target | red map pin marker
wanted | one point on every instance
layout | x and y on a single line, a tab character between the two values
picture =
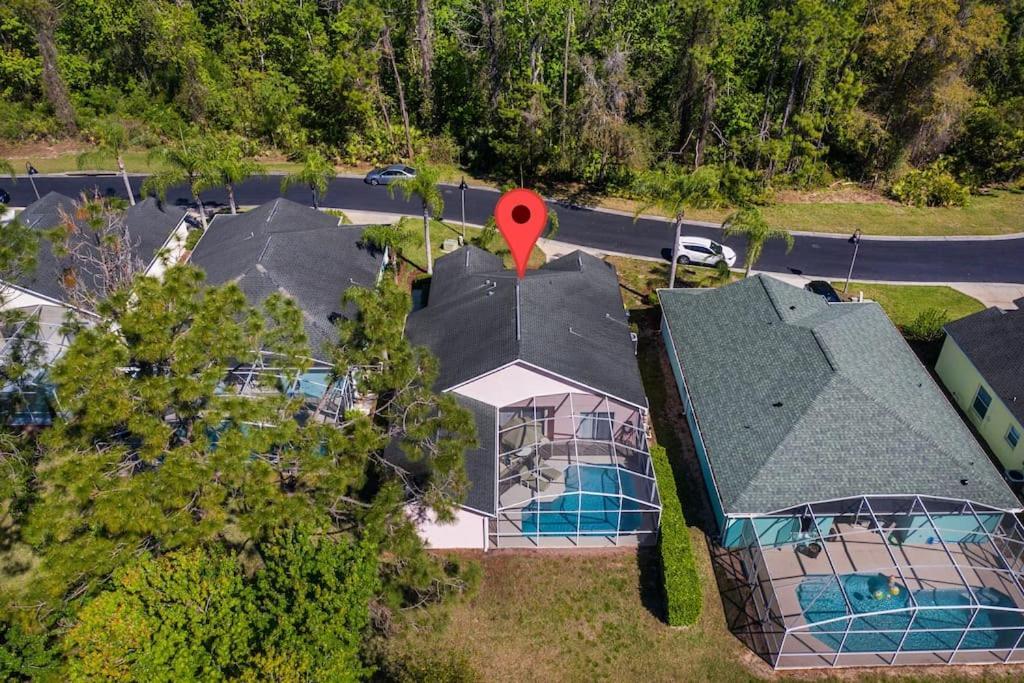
521	216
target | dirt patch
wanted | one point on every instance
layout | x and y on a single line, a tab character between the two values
45	149
838	193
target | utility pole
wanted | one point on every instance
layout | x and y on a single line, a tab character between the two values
855	241
32	171
462	188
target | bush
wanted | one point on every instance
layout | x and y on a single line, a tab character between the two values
931	186
927	326
683	591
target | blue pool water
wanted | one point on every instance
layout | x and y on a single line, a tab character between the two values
820	599
580	509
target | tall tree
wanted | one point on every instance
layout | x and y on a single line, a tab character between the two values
44	16
112	136
424	186
317	172
673	189
228	165
186	162
750	224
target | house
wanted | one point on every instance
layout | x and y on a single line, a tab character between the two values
547	366
156	232
861	521
305	254
982	366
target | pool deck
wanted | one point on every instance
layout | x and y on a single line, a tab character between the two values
856	549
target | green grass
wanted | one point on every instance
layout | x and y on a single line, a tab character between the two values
640	279
903	303
999	213
415	255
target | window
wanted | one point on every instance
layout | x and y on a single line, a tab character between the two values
1012	436
596	425
982	400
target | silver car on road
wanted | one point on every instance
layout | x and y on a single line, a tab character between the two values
389	174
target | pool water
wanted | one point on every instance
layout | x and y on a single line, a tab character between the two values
821	599
582	509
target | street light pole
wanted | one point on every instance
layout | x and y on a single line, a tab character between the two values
855	240
462	188
32	172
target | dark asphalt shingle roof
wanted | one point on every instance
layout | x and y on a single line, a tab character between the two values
295	250
993	340
800	401
566	317
149	224
481	463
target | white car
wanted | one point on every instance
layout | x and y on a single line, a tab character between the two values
701	251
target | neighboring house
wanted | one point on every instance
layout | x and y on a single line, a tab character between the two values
982	366
547	366
305	254
858	518
157	233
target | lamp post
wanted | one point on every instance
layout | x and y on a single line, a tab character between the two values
855	241
32	171
462	188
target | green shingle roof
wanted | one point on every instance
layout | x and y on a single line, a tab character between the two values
798	400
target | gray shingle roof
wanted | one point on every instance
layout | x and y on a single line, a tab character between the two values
566	317
993	340
149	224
481	463
293	249
799	401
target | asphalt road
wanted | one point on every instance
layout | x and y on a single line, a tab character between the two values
949	260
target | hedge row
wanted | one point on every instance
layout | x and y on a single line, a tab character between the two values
683	591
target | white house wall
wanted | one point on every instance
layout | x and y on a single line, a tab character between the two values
514	383
19	298
171	253
467	531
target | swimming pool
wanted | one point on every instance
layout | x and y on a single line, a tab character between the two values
590	506
933	629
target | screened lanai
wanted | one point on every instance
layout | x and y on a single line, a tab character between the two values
324	396
574	470
873	581
38	334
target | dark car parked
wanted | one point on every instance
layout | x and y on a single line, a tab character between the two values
4	197
389	174
824	290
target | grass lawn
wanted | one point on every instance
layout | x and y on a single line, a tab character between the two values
639	278
415	255
903	303
998	213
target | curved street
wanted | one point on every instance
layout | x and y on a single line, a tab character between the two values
911	260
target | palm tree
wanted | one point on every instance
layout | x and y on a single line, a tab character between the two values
423	185
751	224
394	238
673	189
227	166
316	172
186	163
112	138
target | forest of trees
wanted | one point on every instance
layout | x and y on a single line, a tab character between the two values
774	93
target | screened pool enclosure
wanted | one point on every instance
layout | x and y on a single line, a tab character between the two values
573	470
874	581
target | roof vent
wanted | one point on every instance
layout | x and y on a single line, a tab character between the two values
777	404
963	482
249	236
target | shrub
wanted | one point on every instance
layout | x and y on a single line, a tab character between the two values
931	186
683	591
927	326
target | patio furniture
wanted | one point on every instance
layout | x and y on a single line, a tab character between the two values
810	550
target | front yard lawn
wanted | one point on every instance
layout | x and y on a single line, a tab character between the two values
903	303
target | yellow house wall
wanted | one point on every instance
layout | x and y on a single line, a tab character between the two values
962	380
